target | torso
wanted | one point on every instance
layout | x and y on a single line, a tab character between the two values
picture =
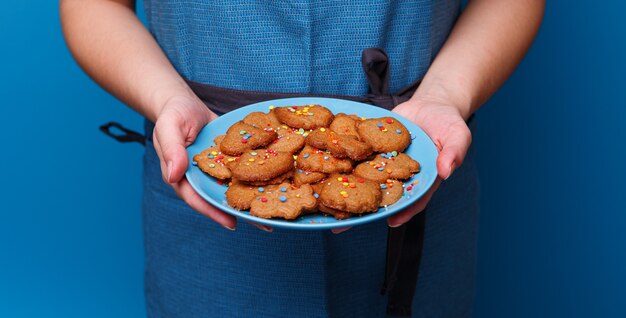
298	46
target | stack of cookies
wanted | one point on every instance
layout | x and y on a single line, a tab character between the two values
298	160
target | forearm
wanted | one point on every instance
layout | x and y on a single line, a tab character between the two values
115	49
488	41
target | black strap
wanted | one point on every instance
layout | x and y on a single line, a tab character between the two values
405	244
376	67
128	136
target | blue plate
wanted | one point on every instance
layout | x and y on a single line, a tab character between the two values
422	149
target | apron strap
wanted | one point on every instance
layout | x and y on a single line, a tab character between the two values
376	67
375	64
406	242
127	136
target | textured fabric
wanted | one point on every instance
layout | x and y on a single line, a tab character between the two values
298	46
195	268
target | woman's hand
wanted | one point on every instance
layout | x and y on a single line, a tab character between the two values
445	125
180	120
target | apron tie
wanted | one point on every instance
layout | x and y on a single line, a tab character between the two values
375	64
128	136
404	243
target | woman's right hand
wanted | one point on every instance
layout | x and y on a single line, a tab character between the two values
180	120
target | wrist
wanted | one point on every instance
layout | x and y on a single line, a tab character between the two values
176	93
435	91
190	107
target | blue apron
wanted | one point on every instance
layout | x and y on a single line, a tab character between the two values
195	268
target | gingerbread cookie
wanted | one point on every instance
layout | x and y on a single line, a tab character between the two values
289	140
306	117
313	159
350	194
286	202
346	124
241	137
240	195
392	192
301	177
391	165
384	134
339	145
337	214
262	120
317	187
218	140
213	162
277	180
262	165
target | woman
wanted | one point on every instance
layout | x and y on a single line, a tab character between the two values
195	269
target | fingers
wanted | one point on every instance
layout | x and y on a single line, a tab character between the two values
417	207
454	148
340	229
196	202
261	226
169	140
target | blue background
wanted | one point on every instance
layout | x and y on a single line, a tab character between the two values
551	152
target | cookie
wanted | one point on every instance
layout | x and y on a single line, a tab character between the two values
240	196
286	202
289	140
218	140
301	177
306	117
349	193
392	192
241	137
213	162
277	180
339	215
339	145
262	165
313	159
384	134
262	120
317	187
346	124
385	166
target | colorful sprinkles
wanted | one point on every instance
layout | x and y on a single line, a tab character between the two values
348	182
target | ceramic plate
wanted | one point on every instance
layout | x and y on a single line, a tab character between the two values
421	149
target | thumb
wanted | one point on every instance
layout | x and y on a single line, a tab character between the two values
453	151
169	141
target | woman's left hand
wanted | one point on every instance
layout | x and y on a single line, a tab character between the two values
445	125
